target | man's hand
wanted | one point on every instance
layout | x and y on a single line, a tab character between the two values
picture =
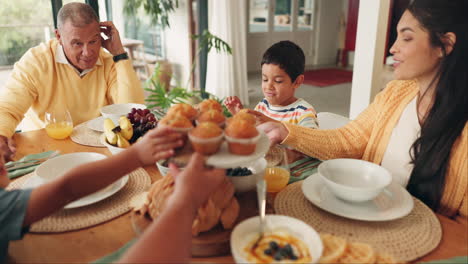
157	144
113	43
7	148
195	183
233	104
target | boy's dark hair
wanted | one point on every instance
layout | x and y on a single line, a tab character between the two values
288	56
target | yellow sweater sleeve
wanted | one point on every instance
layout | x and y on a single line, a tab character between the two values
125	87
349	141
18	94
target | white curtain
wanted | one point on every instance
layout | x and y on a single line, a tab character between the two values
227	74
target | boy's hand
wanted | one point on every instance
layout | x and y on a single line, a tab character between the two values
157	144
8	148
195	183
261	118
233	104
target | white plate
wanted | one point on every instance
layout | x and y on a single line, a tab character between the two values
97	123
224	159
394	202
35	181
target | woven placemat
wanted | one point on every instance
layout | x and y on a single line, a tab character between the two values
407	238
86	216
84	135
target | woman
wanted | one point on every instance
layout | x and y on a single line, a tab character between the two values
417	127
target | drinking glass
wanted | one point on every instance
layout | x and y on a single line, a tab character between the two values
277	176
59	124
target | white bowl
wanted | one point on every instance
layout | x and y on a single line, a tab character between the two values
56	167
113	149
354	180
117	110
249	182
248	230
162	169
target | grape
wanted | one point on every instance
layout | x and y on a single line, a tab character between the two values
133	111
151	118
140	112
146	111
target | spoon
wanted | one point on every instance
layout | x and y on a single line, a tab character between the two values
261	197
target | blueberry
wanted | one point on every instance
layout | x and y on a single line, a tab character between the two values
288	249
293	257
278	256
273	245
268	252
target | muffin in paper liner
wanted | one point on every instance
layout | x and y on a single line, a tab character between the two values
206	146
242	146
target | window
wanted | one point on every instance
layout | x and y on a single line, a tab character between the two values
305	16
23	24
258	21
283	19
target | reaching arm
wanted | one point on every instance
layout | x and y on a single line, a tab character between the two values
169	237
91	177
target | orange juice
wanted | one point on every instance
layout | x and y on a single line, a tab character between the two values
276	178
59	130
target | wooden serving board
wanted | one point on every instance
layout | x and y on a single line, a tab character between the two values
214	242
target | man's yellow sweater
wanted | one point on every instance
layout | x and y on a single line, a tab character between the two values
40	84
368	135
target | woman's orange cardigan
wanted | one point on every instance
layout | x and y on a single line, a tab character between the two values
368	135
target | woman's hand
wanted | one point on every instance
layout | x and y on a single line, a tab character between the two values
261	118
275	131
195	183
157	144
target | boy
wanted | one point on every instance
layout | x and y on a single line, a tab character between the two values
20	208
282	73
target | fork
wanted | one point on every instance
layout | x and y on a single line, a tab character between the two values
27	163
261	197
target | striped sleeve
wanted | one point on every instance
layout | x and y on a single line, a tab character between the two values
308	120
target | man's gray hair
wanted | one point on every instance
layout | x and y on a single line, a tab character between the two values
79	14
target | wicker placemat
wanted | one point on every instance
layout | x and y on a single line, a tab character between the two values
84	135
407	238
86	216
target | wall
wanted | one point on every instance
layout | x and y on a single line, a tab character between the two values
326	43
177	44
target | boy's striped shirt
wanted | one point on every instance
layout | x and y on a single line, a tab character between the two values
299	113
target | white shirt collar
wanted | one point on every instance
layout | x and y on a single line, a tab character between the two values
61	58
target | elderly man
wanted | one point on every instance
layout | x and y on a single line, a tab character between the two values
71	71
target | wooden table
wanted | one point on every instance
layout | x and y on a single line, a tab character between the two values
95	242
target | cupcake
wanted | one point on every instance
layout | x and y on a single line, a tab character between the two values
212	115
209	104
184	109
177	121
242	137
206	138
243	115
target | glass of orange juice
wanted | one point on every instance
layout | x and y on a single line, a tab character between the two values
59	124
277	177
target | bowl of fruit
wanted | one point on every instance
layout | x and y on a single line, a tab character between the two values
130	128
117	110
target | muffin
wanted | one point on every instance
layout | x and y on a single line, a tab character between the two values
243	115
242	137
206	138
209	104
212	115
177	121
184	109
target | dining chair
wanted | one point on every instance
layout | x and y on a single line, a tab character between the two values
329	120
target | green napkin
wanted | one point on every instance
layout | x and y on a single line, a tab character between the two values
455	260
116	255
303	168
23	171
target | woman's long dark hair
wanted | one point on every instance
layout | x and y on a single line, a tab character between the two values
448	115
